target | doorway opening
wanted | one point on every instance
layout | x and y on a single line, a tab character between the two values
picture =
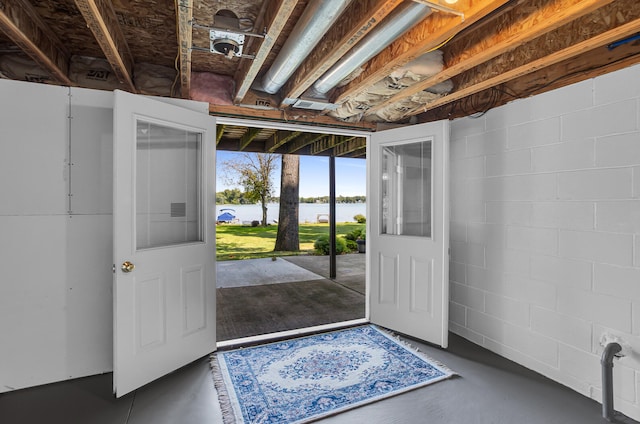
274	294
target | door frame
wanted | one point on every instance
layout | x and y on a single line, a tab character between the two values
221	120
366	319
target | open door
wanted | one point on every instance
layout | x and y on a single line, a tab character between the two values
408	231
164	239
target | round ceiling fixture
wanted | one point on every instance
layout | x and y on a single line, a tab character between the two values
226	38
226	46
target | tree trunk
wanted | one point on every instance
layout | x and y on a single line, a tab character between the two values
288	236
264	211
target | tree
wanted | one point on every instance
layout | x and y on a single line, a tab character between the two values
230	197
253	171
288	238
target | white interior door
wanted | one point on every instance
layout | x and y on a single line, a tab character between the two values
164	239
408	230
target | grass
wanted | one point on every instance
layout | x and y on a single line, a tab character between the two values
244	242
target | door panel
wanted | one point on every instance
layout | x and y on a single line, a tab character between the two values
164	303
408	230
421	286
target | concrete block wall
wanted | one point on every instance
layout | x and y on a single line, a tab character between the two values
545	232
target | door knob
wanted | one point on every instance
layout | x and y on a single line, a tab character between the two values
127	266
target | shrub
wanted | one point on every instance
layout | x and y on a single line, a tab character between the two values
352	245
360	219
353	235
322	245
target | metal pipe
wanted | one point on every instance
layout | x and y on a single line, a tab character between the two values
332	217
316	19
402	19
608	354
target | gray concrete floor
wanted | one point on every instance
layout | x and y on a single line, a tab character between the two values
489	389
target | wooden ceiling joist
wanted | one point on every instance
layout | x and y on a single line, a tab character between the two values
350	146
359	153
357	21
184	18
432	32
248	137
103	23
304	141
519	25
329	143
22	24
279	139
276	17
592	31
219	133
591	64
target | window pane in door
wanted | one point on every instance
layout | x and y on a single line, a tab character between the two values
168	185
406	189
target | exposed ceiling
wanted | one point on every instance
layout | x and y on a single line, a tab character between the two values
454	59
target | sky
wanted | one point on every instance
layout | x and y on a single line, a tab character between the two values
314	175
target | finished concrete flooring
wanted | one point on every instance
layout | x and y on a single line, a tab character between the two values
488	390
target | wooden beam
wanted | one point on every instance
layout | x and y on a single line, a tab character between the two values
276	16
260	99
184	17
566	42
519	25
278	139
103	23
428	35
588	65
219	133
329	143
350	146
359	153
304	141
297	116
22	24
357	21
248	137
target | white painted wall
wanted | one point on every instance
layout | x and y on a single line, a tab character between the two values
56	236
55	227
545	232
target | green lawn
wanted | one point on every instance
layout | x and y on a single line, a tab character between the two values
244	242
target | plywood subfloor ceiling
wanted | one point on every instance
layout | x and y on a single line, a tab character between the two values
491	52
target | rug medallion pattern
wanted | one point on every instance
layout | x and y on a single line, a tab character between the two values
299	380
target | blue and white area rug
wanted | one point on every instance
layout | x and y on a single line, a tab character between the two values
304	379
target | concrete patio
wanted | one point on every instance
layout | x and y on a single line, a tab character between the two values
261	296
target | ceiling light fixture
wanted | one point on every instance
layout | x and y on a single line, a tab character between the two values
226	43
225	37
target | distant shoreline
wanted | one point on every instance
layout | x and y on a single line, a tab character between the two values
308	212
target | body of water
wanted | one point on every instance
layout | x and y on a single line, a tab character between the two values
308	211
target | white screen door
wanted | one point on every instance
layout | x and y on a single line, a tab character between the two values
408	230
164	239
